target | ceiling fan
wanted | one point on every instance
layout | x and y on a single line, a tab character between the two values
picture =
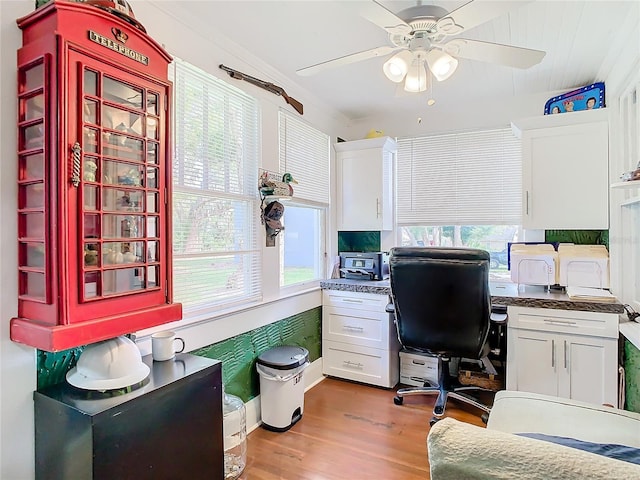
419	34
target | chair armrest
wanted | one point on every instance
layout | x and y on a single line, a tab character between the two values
523	412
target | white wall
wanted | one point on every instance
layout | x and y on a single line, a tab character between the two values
17	362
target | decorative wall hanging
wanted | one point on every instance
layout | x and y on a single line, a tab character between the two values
271	214
588	97
268	86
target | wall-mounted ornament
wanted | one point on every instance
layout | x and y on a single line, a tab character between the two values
271	214
273	187
274	184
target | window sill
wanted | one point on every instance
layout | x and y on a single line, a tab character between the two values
197	318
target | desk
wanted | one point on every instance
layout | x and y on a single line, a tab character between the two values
501	294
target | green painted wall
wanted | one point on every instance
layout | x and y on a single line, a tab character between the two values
632	376
238	354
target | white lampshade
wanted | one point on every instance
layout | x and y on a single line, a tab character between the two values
441	64
397	66
416	80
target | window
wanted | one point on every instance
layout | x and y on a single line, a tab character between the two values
461	190
216	255
304	152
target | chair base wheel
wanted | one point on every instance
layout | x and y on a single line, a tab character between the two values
485	418
397	400
433	421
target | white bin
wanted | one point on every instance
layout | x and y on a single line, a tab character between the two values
281	386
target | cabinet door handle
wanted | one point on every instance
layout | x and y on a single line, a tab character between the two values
350	364
76	150
353	328
377	207
559	322
553	353
565	355
352	300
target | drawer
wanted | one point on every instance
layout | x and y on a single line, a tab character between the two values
417	380
564	321
357	300
415	360
362	364
357	327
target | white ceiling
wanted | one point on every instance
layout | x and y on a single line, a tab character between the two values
289	35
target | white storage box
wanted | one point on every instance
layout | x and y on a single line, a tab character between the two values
583	266
416	369
534	264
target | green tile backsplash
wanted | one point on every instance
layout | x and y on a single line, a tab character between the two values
359	241
53	366
579	237
632	376
237	354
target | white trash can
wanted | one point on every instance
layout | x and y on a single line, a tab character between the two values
281	386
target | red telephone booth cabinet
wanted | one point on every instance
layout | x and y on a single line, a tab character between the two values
94	179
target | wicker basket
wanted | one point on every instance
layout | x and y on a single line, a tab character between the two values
481	379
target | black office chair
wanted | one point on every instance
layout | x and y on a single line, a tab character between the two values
442	306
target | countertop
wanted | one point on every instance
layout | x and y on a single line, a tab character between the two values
501	294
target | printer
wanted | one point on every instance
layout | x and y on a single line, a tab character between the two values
364	265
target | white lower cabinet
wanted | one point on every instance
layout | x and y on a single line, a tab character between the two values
566	353
359	340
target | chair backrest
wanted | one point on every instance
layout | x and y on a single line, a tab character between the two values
441	298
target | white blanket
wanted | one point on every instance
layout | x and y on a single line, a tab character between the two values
460	451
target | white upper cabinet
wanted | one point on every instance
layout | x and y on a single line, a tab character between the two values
365	184
565	176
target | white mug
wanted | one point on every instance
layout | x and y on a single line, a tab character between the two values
163	345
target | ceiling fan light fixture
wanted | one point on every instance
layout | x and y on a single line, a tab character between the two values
441	64
397	66
416	80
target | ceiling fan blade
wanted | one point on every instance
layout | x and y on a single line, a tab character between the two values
384	18
475	13
347	59
508	55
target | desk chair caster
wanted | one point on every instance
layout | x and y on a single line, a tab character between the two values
433	421
485	418
397	400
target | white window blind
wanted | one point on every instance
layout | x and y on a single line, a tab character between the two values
216	254
470	178
305	153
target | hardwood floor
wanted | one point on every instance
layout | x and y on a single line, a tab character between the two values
351	431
